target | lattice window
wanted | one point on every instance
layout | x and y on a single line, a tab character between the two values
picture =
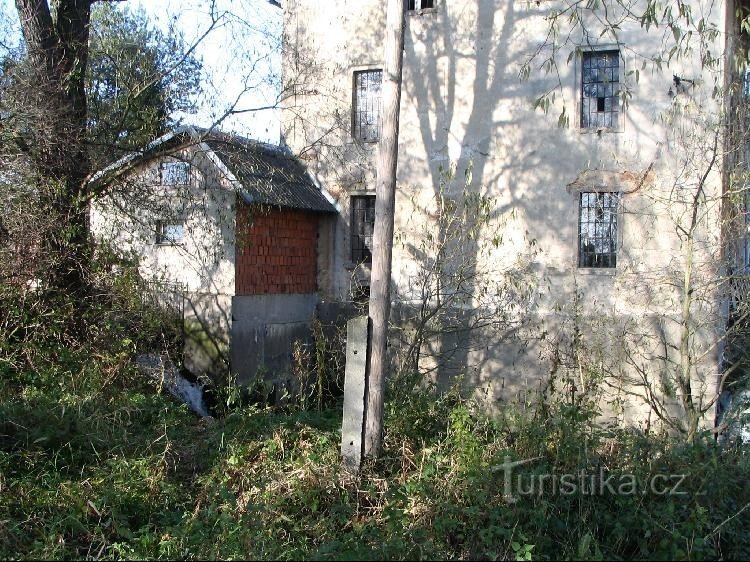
174	173
600	87
413	5
362	225
597	230
366	114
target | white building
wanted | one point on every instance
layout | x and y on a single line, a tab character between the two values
231	228
595	242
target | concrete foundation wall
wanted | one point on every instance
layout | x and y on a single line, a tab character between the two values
615	360
207	320
265	330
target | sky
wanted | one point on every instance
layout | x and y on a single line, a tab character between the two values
241	57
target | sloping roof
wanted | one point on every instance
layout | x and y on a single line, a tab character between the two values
268	175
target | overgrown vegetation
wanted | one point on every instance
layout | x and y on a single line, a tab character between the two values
95	463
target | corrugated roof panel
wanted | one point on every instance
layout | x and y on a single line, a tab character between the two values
268	175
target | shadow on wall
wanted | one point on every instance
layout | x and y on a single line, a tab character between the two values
204	319
469	133
207	334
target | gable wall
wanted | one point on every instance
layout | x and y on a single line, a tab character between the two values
197	274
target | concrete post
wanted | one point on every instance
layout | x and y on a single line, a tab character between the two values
352	425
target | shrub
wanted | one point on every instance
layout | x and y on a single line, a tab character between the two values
94	463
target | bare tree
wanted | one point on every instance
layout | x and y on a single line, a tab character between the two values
49	132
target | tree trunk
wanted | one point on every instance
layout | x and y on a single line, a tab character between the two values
53	99
385	195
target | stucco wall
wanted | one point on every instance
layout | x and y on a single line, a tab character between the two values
465	110
202	266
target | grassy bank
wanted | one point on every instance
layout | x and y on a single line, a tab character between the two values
96	463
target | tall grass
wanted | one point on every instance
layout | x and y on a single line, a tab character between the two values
95	463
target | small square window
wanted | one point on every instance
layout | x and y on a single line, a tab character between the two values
597	230
170	232
362	225
366	106
414	5
600	90
174	173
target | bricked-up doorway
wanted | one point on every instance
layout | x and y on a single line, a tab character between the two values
276	251
276	291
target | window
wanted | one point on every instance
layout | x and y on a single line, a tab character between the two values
597	230
366	114
600	87
170	232
413	5
174	173
363	222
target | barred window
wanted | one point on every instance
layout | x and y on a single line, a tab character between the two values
413	5
600	87
362	225
366	106
174	173
170	232
597	230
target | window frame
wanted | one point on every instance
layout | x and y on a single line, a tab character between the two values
161	237
355	226
175	164
356	129
615	238
421	9
589	50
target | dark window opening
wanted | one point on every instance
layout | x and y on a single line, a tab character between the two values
366	106
362	225
600	89
597	230
413	5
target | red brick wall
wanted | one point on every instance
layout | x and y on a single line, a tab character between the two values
275	251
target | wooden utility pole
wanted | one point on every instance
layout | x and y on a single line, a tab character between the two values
385	195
